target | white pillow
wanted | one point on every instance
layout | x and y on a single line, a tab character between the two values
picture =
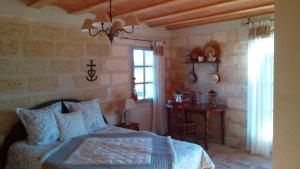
70	125
91	113
40	124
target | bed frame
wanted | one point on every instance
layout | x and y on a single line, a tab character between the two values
18	132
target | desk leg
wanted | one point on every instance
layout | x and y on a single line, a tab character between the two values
206	130
222	127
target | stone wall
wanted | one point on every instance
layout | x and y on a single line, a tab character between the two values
233	88
40	61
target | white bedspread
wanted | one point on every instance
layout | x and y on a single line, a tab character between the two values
105	151
24	156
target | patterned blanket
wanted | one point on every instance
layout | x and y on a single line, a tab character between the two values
25	156
90	152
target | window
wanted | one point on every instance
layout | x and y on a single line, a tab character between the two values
143	72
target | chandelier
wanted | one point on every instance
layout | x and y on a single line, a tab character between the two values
107	24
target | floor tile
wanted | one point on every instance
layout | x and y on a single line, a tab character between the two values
225	157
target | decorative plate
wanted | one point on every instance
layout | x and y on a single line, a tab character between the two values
212	52
209	51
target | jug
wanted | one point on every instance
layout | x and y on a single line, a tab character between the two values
178	98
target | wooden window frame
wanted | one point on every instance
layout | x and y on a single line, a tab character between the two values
144	69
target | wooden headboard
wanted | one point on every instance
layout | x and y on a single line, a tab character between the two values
18	132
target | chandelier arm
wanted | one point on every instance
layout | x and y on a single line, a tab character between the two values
98	31
129	32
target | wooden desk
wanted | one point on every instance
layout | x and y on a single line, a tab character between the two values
206	110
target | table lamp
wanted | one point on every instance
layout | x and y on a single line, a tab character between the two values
130	104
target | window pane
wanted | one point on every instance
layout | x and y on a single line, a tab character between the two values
139	74
138	58
149	74
149	91
149	58
140	90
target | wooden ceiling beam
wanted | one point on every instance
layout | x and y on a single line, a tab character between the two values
156	24
41	3
149	8
204	8
236	12
221	19
94	7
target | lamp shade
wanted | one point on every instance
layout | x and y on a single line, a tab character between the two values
117	26
87	24
101	18
130	104
131	20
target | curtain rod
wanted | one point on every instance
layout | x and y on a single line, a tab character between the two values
255	20
144	40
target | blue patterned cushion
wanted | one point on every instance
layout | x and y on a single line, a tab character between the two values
70	125
91	113
40	124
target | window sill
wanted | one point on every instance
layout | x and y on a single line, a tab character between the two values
145	101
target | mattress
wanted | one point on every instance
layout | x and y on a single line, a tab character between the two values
24	156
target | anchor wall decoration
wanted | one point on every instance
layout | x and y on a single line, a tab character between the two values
91	72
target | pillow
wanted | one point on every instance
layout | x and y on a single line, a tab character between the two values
70	125
91	113
40	124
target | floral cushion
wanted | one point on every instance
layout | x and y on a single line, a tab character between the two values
40	124
70	125
91	113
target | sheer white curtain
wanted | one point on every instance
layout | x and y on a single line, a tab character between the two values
159	115
260	88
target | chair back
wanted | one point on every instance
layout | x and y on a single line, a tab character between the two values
178	115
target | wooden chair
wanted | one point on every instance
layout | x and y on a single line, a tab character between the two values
180	126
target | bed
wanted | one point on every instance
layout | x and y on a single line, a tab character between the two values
111	147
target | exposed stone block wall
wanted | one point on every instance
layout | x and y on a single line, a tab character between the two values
233	88
41	61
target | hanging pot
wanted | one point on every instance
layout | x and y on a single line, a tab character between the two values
216	77
192	77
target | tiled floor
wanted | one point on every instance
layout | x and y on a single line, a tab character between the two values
229	158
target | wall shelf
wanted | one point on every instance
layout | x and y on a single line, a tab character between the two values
204	62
